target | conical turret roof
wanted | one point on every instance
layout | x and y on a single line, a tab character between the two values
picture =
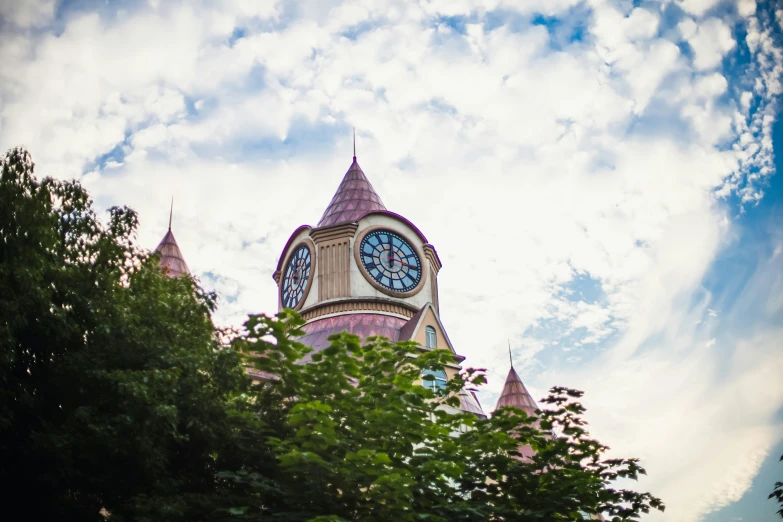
171	259
354	199
515	394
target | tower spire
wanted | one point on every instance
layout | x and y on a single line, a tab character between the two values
515	395
171	260
510	360
354	199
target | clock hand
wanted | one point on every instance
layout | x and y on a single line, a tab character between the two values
391	252
403	263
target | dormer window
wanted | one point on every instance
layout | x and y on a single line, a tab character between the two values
430	339
438	380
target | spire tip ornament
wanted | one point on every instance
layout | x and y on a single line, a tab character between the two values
354	143
510	360
171	211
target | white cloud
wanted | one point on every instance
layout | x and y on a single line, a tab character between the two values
534	164
697	7
710	40
746	8
689	431
28	13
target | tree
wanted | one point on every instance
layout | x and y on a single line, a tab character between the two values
777	494
115	394
352	435
119	401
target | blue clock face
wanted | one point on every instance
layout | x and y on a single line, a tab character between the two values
296	277
390	260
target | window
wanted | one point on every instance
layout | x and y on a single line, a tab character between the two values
438	382
430	339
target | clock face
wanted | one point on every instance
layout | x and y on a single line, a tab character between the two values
390	260
296	277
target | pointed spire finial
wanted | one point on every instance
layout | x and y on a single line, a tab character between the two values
509	354
171	212
354	143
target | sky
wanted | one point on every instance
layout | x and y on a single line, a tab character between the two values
599	179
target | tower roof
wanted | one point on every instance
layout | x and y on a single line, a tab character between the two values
171	260
354	199
516	395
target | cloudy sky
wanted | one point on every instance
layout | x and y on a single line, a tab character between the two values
598	178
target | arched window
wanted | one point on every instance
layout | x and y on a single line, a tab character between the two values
438	380
430	339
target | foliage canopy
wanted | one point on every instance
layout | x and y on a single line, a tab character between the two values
121	400
777	494
114	392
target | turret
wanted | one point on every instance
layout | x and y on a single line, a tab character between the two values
515	395
172	262
368	270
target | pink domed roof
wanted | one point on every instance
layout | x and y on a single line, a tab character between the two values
516	395
171	260
364	325
355	198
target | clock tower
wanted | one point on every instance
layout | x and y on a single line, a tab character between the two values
367	270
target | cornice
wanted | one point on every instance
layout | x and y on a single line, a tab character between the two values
458	359
432	254
359	305
335	232
400	218
288	245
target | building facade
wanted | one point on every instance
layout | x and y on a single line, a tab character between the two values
367	270
371	272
